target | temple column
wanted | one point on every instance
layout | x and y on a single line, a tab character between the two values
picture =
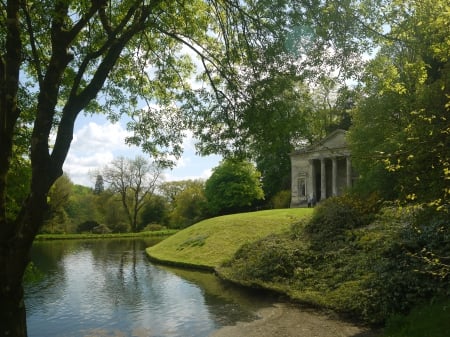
323	180
334	190
349	171
312	198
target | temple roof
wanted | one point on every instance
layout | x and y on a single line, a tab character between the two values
334	142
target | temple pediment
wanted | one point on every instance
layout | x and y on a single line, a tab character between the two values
335	142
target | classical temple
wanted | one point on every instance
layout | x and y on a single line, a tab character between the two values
321	170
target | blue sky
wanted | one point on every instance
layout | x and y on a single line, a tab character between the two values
97	141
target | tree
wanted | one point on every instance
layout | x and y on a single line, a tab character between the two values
401	127
134	180
189	204
57	57
233	186
85	206
58	197
99	187
154	211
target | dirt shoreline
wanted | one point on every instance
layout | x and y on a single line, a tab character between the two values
285	320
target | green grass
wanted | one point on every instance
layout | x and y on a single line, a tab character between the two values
211	242
83	236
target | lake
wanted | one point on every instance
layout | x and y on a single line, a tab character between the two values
108	288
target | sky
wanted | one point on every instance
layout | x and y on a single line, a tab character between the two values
97	142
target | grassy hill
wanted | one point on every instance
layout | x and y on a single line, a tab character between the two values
211	242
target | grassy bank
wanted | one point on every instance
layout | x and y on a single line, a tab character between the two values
212	242
348	256
85	236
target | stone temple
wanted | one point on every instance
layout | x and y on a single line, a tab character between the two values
321	170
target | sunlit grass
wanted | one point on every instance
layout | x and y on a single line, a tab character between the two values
214	241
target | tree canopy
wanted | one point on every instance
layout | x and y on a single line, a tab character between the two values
400	131
62	58
234	186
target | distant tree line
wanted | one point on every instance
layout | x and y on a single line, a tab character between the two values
129	195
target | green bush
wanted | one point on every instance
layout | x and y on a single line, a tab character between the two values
334	216
87	226
282	199
400	277
153	227
271	259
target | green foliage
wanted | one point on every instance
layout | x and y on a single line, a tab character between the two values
58	201
154	211
154	227
18	185
32	274
334	216
425	320
189	204
401	126
275	261
87	226
369	268
233	186
282	199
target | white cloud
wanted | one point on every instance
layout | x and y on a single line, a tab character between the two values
95	145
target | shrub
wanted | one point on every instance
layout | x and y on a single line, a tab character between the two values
400	278
87	226
333	216
153	227
101	229
271	259
120	227
282	199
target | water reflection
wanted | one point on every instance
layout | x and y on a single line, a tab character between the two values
109	288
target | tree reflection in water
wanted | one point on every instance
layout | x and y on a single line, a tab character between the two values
109	288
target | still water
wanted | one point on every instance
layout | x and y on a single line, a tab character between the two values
108	288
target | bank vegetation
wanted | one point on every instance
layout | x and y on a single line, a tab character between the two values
371	261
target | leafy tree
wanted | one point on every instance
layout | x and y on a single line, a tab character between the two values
189	204
57	57
84	206
59	197
154	211
133	180
233	186
401	126
114	216
285	102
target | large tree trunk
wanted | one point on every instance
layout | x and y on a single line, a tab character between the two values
15	246
12	308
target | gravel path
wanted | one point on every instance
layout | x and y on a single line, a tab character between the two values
283	320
